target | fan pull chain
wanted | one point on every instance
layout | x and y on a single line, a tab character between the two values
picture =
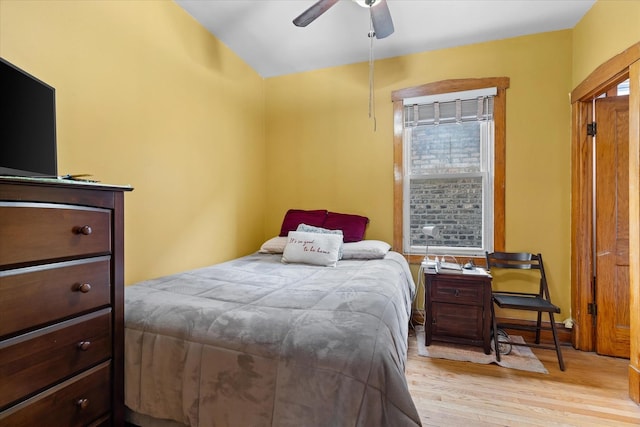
372	105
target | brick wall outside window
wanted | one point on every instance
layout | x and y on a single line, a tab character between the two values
453	203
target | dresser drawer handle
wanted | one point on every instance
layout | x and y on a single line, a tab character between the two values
82	403
457	292
84	345
84	230
84	288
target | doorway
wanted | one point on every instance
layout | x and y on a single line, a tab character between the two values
625	65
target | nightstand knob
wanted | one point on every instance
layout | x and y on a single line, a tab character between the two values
84	288
457	292
82	403
84	230
84	345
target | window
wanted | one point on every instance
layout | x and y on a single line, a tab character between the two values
449	167
448	173
623	88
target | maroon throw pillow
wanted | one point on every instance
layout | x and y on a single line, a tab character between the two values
352	226
294	217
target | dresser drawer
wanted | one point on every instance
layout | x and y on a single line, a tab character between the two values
39	295
76	402
41	231
457	292
30	362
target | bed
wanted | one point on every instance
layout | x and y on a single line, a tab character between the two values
261	341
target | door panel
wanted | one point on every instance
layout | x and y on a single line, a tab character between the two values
612	226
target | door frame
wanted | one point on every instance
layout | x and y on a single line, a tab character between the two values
617	69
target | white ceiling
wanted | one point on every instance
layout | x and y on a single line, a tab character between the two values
261	32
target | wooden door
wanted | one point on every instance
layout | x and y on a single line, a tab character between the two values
612	226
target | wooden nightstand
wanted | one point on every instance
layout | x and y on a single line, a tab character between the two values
458	308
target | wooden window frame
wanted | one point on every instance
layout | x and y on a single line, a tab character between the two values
499	115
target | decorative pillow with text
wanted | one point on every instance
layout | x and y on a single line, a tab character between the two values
312	229
312	248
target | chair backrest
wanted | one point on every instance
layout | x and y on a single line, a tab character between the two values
520	261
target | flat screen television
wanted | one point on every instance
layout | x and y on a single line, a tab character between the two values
27	124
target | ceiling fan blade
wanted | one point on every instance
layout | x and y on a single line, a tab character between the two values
310	15
381	17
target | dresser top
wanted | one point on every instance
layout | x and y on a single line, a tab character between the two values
64	182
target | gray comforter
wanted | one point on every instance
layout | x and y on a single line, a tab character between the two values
254	342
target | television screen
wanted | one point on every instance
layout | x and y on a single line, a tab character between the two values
27	124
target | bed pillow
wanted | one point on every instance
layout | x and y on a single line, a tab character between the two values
294	217
352	226
312	248
312	229
275	245
365	249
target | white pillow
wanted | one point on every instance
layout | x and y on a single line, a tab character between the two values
313	229
365	249
312	248
274	245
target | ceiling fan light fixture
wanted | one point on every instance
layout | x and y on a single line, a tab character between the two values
366	3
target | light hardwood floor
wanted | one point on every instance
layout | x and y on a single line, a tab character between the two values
592	391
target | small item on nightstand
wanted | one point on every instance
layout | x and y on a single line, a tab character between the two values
429	264
469	265
448	267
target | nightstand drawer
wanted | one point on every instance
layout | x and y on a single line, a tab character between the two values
76	402
458	292
453	320
40	231
32	361
34	296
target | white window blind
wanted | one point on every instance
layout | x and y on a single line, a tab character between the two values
454	107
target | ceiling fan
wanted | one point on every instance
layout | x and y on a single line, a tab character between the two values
380	15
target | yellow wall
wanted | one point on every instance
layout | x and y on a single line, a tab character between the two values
145	96
608	28
217	155
323	152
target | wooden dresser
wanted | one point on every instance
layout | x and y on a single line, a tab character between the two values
61	303
458	309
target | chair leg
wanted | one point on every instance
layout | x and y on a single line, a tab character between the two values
538	327
556	341
495	331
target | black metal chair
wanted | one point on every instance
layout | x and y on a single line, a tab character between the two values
538	301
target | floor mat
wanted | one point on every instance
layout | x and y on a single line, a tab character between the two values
521	358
